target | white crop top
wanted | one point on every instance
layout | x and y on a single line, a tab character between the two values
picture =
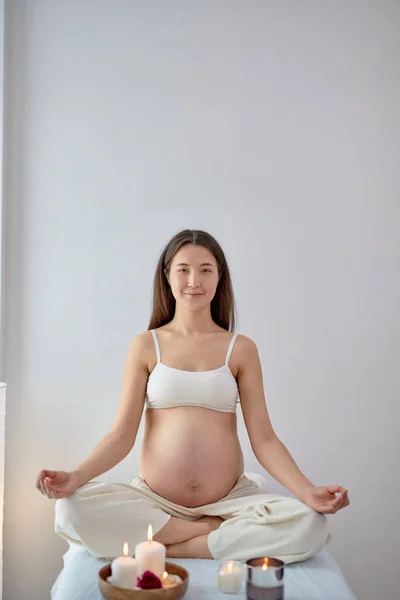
215	389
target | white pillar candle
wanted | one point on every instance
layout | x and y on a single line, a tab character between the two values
150	556
124	571
230	577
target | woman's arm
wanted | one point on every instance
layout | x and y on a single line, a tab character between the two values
271	453
117	444
277	460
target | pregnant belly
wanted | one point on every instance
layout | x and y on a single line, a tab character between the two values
190	455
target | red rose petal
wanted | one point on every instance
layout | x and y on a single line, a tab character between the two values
149	581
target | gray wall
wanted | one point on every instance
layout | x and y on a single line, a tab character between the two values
275	126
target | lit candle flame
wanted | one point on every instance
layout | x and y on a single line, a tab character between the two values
265	565
230	567
150	533
165	575
125	549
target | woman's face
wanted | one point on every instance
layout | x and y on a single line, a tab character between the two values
193	276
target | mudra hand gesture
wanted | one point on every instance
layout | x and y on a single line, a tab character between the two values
323	499
57	484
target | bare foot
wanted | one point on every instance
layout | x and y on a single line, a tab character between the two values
212	522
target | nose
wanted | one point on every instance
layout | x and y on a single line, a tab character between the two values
194	279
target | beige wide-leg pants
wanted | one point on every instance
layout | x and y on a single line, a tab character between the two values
102	516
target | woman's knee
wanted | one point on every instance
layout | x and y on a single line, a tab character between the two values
68	511
313	528
314	519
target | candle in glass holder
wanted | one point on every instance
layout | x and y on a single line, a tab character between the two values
264	579
124	571
230	576
150	556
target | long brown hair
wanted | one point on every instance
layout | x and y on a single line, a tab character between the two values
223	308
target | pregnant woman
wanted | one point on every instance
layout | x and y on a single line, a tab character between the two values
188	372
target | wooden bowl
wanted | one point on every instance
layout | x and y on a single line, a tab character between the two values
176	592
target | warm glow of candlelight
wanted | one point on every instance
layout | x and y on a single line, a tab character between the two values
125	550
265	565
150	533
230	567
165	575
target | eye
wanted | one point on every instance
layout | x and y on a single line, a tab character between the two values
204	270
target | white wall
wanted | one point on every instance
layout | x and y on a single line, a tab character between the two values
3	388
275	126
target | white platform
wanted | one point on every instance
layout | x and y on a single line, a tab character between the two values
318	578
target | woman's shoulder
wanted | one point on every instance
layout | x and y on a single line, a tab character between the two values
142	341
245	346
145	339
141	349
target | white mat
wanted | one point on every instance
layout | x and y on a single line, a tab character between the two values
318	578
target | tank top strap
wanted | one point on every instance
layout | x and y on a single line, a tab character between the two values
156	344
228	354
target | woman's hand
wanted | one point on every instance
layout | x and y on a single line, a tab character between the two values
323	499
57	484
212	522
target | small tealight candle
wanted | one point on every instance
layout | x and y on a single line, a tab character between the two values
264	579
150	556
124	571
230	576
170	580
